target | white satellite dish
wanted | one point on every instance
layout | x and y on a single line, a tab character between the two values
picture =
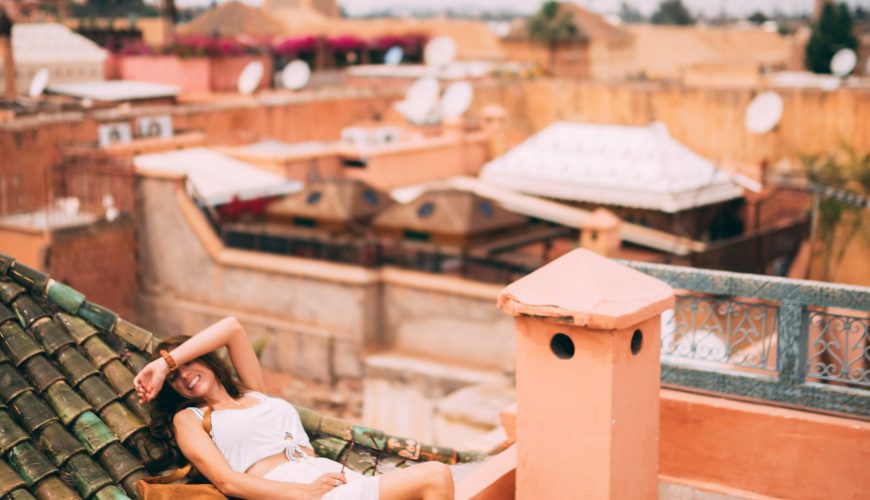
250	78
440	51
763	113
421	101
295	75
456	100
843	62
39	82
394	56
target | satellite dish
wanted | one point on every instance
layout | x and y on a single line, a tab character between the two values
763	113
843	62
39	82
421	101
295	75
440	51
394	56
457	98
250	78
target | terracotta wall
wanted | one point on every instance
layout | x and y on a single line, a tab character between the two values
27	246
771	451
710	121
100	261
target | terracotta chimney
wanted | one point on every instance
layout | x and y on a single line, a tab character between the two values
587	378
600	233
6	54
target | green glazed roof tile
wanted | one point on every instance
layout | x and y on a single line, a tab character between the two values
92	432
27	310
6	262
78	328
12	383
99	352
66	402
6	314
137	337
118	461
67	298
58	444
41	372
98	315
20	494
97	392
30	278
75	366
119	376
121	420
85	475
9	290
10	433
29	462
51	336
110	492
53	488
9	479
31	412
17	344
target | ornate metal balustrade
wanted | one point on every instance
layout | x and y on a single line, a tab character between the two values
792	342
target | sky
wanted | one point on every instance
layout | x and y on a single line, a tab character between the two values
711	7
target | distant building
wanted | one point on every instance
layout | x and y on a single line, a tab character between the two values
641	173
69	57
600	51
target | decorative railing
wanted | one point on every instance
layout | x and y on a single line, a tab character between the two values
792	342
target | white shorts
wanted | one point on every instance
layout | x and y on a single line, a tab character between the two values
358	487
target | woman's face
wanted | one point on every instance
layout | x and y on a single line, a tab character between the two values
192	380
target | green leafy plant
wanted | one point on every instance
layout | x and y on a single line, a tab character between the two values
833	32
847	172
672	12
552	26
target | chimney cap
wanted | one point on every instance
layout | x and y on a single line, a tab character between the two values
582	288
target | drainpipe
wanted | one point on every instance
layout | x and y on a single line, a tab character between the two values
587	369
6	54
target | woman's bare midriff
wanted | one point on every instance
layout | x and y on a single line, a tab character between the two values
264	466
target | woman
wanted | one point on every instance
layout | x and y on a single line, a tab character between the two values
257	448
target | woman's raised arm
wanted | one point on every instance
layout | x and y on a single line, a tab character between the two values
228	333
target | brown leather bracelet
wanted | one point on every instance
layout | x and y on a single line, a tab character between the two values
169	361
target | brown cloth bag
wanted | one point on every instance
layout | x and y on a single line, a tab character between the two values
163	487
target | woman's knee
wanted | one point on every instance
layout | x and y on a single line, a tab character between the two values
440	475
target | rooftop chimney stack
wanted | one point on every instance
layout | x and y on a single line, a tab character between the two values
587	379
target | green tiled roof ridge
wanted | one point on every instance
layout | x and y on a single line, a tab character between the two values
366	450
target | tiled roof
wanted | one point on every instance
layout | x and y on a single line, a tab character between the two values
47	43
215	177
342	200
449	211
234	19
70	422
631	166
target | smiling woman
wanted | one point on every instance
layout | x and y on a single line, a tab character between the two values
257	447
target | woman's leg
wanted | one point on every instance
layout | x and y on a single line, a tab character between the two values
426	481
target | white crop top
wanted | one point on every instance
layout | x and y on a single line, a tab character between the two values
247	435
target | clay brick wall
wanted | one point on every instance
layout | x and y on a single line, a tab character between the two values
101	261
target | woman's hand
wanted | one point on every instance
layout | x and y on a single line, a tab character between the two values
149	381
325	483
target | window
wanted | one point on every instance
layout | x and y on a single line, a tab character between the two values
370	197
485	209
313	197
426	210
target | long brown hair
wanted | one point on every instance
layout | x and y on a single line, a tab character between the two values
168	402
